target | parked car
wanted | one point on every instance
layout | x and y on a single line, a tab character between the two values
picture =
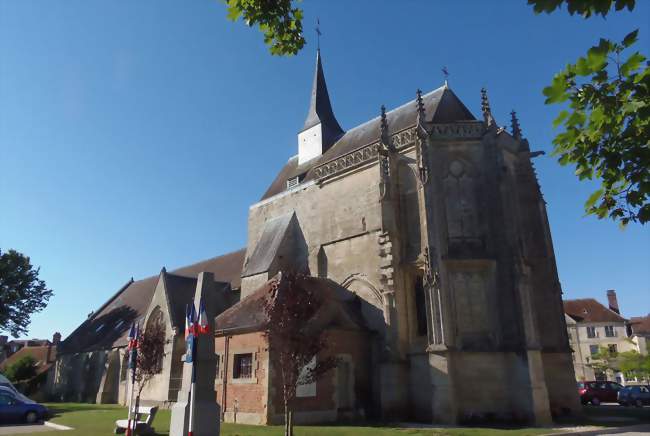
15	408
596	392
637	395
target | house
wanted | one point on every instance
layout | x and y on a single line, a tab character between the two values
640	332
593	326
43	352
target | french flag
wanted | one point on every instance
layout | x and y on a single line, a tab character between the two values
203	319
192	320
133	337
188	321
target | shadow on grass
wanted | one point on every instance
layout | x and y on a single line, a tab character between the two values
609	416
56	409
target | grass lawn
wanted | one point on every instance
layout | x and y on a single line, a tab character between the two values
98	420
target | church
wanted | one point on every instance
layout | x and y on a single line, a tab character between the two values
427	225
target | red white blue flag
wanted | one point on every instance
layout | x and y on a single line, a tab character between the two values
203	319
188	321
133	345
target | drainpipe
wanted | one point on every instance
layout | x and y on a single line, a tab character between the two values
225	378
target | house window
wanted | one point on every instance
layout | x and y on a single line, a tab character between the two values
306	389
612	348
609	331
420	307
591	332
593	349
243	366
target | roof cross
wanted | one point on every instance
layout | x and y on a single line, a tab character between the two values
318	32
446	74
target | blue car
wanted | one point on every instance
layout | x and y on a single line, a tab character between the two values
18	408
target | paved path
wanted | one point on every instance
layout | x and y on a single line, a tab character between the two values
35	428
631	430
18	429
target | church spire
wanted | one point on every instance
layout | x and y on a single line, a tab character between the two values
320	108
321	129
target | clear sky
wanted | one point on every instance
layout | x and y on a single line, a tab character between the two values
134	135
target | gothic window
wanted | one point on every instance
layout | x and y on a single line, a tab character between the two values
410	211
461	204
420	307
469	289
243	366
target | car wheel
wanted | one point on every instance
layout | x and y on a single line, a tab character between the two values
31	417
595	401
638	402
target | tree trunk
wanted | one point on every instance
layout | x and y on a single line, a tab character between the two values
286	417
290	413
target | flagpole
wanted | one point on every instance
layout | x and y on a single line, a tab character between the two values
192	391
132	337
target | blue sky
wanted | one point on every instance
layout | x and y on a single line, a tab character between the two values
134	135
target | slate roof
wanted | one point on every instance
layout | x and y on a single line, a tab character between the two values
320	108
441	106
108	326
590	310
249	315
267	247
640	325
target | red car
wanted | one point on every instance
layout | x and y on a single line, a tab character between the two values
596	392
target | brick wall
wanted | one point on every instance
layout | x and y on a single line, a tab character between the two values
246	399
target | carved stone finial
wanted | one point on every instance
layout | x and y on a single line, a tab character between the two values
420	103
384	128
516	130
485	108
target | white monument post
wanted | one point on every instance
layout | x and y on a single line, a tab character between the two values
205	407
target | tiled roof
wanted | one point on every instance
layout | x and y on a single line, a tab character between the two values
43	355
590	310
640	325
109	326
249	315
441	106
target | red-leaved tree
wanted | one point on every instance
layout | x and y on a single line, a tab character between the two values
151	351
294	339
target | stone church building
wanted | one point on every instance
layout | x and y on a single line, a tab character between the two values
429	226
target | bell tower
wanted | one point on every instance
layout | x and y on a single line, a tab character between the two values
321	129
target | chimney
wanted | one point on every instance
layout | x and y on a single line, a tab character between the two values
56	338
613	301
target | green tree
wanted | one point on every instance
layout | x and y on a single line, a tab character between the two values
22	369
21	292
633	364
278	20
606	127
605	360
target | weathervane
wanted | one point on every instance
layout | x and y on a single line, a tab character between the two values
446	73
318	31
